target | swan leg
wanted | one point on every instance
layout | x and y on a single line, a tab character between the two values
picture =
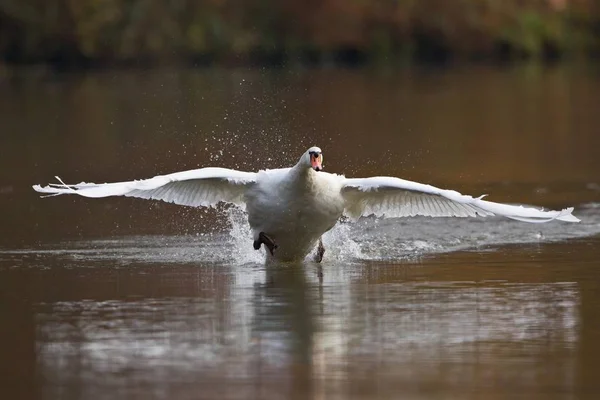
320	251
268	242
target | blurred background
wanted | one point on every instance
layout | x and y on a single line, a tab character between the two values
123	298
87	33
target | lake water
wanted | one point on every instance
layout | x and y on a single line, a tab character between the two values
124	298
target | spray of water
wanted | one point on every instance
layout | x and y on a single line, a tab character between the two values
339	242
373	239
240	238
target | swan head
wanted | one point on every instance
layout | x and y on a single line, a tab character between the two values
313	158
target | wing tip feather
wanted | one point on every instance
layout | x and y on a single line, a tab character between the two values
567	215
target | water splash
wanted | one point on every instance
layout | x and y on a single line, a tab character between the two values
341	244
369	239
240	238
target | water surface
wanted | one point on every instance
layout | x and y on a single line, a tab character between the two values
122	298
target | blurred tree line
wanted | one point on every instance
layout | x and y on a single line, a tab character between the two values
97	32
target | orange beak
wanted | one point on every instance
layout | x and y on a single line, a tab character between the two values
315	162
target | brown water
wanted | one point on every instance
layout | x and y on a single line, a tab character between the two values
122	298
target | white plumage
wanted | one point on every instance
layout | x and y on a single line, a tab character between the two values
295	206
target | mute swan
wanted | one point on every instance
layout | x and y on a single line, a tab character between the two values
289	209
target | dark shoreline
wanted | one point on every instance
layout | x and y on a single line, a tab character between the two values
147	33
339	60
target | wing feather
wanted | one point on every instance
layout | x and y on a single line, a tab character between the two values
394	197
199	187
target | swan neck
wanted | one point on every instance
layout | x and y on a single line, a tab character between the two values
301	173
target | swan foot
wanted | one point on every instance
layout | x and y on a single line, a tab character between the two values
268	242
320	251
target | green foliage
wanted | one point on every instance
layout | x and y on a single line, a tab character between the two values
236	31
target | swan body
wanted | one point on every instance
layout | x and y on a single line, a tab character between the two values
293	207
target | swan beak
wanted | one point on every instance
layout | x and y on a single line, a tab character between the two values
316	162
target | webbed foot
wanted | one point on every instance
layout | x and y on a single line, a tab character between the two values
320	251
269	243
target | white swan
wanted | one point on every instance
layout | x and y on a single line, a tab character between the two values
289	209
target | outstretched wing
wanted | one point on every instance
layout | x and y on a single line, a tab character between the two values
199	187
394	197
